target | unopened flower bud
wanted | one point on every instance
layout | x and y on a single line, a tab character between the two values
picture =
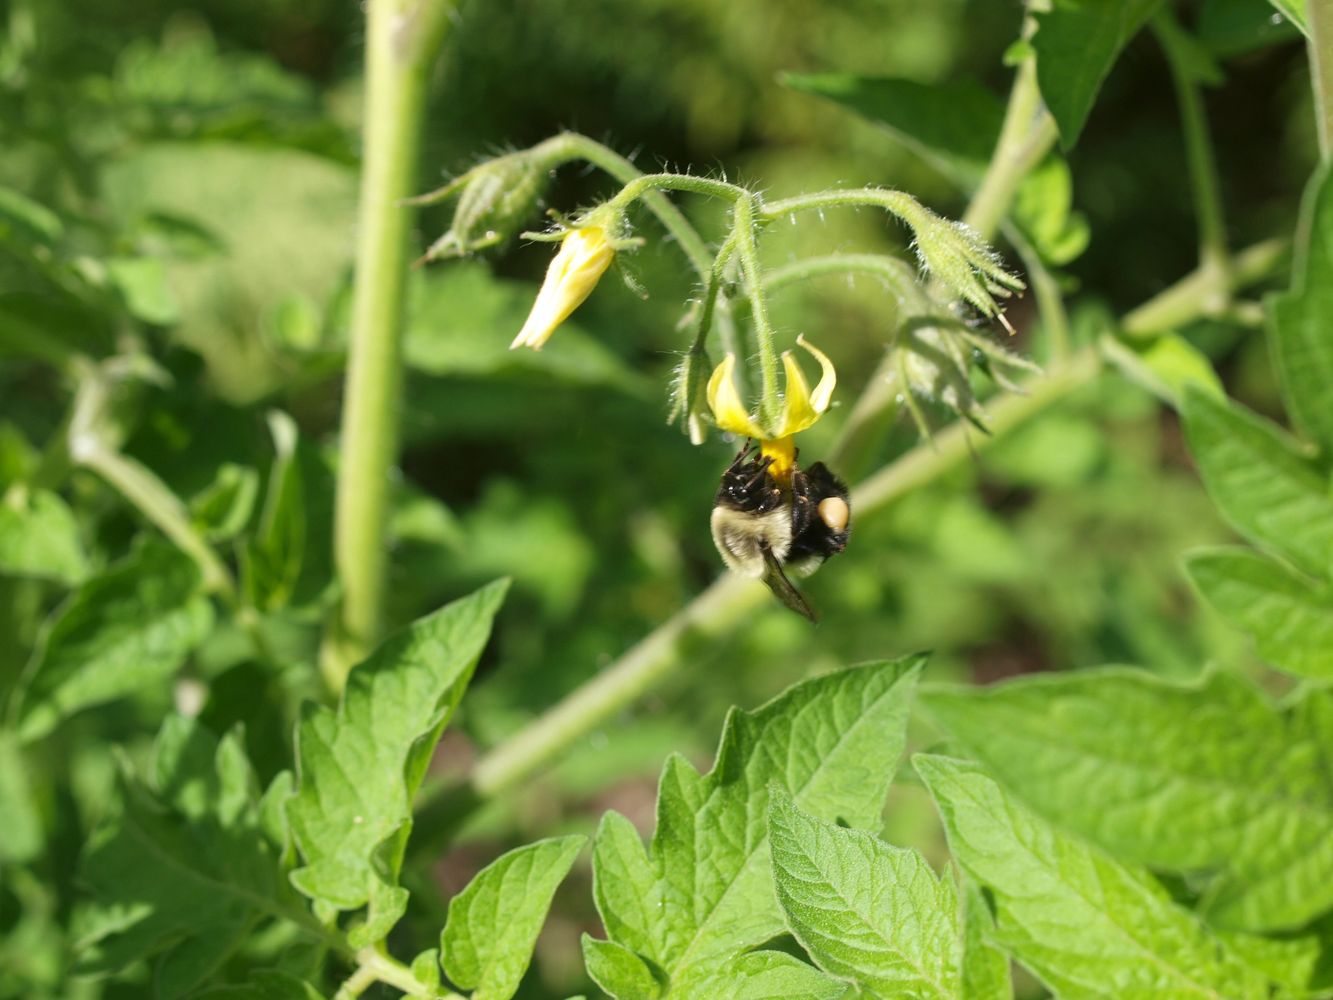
585	254
494	200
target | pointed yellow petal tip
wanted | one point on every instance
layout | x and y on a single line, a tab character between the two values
729	411
801	407
584	256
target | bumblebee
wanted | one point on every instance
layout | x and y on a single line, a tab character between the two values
764	525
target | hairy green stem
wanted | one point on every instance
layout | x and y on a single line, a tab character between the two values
1319	14
571	145
1199	156
403	38
747	256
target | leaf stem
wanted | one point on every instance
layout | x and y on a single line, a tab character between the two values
1199	153
403	37
159	505
1198	293
374	966
1319	14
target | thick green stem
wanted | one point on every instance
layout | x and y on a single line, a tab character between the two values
1027	135
403	37
1199	155
1319	13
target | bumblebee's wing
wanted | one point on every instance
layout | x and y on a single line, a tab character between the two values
784	589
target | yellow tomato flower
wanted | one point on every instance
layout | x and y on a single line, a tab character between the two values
800	407
585	254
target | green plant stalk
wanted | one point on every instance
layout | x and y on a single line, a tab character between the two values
402	41
1319	14
1199	155
1027	135
718	609
375	967
160	506
1197	293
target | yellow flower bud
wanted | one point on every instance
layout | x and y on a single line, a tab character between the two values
584	256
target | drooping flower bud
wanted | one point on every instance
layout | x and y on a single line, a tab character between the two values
585	254
960	260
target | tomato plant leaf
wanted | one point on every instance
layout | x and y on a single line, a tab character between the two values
183	872
40	538
1076	43
129	627
1302	318
866	912
984	968
359	766
1289	617
618	971
1207	776
1087	925
704	891
1264	486
493	923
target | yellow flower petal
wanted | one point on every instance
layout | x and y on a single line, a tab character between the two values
801	408
723	399
584	256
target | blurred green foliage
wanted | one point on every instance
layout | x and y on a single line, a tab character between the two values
181	180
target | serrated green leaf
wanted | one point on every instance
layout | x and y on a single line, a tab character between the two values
359	767
1207	776
704	892
618	971
1289	618
768	975
1264	486
125	629
493	923
184	872
1076	43
1085	924
866	912
1302	318
22	824
39	537
985	968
